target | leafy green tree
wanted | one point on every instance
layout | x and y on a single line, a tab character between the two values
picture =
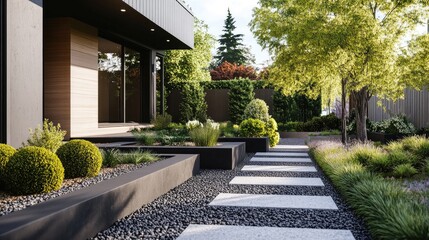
191	64
231	49
320	44
414	62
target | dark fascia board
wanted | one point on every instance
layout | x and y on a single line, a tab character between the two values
83	213
106	15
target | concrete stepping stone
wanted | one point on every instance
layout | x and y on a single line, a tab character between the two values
274	201
292	148
222	232
277	181
265	168
281	159
281	154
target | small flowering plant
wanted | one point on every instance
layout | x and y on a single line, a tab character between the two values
212	124
193	124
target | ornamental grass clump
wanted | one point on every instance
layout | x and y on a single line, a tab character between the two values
204	134
111	157
80	158
33	170
145	137
137	157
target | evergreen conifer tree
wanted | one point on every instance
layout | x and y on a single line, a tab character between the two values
231	49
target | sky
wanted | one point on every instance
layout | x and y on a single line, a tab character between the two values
213	13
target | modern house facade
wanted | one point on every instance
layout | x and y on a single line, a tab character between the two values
91	66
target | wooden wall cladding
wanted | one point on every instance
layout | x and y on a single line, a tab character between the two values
71	75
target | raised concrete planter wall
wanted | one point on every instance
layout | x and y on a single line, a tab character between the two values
252	144
223	156
83	213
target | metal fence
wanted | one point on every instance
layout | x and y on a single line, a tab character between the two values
415	106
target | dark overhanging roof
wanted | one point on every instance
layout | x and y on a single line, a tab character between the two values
107	16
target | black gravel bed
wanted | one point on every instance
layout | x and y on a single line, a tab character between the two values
170	214
9	204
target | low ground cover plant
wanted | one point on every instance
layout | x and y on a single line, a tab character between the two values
113	157
174	135
396	125
389	211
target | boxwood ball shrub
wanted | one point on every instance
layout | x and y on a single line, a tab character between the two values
257	109
33	170
252	128
80	158
6	152
271	130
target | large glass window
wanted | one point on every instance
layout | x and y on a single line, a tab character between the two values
119	83
133	93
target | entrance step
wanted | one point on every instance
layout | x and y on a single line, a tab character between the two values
265	168
281	159
222	232
281	154
277	181
274	201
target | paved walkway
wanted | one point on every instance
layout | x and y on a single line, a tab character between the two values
277	195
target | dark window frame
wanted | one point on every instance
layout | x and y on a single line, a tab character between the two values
140	49
3	80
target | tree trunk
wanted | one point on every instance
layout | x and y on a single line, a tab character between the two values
343	111
362	98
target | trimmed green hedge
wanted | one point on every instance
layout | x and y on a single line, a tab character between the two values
193	105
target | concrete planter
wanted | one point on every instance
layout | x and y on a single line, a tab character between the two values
252	144
83	213
225	155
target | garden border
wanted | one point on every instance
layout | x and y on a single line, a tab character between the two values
83	213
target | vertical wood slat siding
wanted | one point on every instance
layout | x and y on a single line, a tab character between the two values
169	15
415	106
71	75
84	78
57	72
